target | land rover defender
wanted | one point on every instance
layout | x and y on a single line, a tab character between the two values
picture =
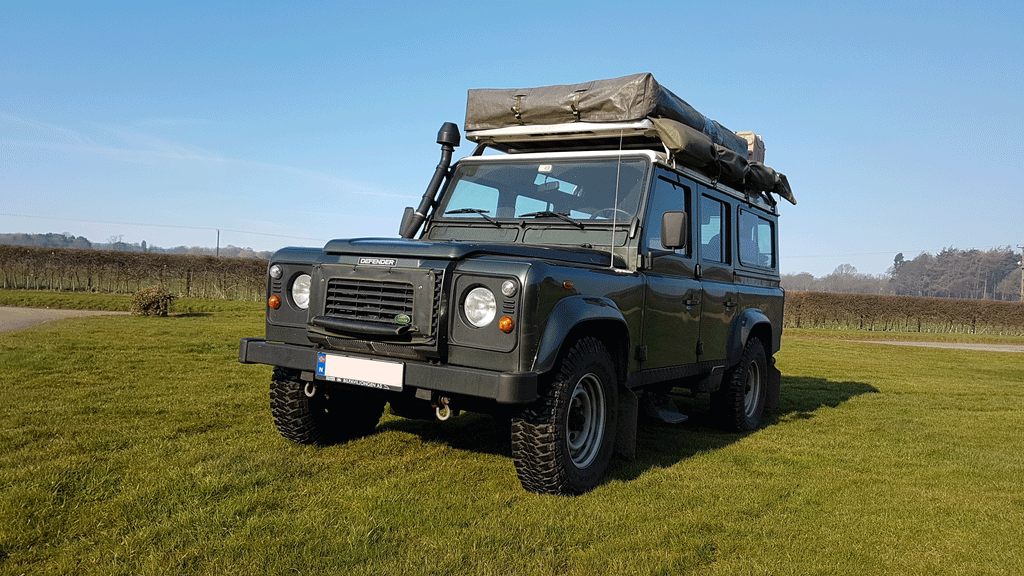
612	248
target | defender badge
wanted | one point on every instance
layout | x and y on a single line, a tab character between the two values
378	261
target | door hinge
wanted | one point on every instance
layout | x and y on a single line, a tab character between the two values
700	347
641	353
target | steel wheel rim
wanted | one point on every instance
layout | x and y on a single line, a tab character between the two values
585	421
752	390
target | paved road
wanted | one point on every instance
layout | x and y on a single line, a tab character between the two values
954	345
17	318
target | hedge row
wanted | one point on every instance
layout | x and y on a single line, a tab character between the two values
38	268
902	313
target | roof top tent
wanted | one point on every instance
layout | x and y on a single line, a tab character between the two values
627	113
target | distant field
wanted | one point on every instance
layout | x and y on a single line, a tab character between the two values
139	445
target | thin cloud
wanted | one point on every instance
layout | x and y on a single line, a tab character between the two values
137	147
46	132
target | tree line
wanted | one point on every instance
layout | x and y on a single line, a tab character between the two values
966	274
115	243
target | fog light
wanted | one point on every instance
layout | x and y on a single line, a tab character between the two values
274	302
506	324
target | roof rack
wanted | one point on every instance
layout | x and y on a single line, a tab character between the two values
679	142
572	136
628	113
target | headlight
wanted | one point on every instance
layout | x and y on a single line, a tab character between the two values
480	306
300	290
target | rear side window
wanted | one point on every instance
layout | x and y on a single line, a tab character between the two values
713	218
757	240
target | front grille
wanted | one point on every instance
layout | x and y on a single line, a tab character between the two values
369	300
436	304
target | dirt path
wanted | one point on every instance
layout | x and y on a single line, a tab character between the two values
12	319
954	345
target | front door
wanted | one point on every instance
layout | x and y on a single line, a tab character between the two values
672	306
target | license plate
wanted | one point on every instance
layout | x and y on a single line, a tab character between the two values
361	372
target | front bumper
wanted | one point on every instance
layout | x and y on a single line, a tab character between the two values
502	387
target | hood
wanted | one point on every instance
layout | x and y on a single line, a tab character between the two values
456	250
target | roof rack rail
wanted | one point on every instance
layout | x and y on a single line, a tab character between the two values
572	136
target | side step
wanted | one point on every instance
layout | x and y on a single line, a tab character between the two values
666	416
664	409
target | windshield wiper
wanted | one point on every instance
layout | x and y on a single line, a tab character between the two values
480	211
549	214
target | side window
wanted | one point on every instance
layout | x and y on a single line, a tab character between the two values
714	229
757	241
667	195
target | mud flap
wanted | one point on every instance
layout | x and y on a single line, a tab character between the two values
774	387
629	415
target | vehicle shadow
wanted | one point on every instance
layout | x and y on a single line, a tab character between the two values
662	445
659	445
468	431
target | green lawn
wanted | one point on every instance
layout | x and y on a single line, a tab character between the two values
134	445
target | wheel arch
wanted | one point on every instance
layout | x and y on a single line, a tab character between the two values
753	323
575	317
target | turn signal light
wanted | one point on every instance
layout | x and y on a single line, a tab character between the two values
506	324
274	302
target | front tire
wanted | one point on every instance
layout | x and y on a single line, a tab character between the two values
329	416
740	402
562	443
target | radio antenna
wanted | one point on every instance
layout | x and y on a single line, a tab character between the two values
615	206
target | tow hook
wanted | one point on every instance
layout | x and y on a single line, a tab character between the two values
309	389
443	410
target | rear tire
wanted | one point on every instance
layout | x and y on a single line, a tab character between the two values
332	415
740	402
562	443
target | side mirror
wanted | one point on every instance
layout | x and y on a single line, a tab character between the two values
673	229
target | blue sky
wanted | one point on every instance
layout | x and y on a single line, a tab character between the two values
899	124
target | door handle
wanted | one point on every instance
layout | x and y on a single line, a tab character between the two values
729	304
690	302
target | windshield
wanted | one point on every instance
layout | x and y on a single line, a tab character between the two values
568	192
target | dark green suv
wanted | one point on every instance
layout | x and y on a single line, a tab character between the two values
572	283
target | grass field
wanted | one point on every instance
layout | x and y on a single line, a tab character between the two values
135	445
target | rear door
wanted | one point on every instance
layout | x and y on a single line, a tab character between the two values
720	298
